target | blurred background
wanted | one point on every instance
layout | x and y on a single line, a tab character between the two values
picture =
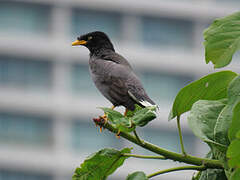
47	99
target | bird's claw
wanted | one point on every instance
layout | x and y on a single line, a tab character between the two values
101	121
104	117
118	134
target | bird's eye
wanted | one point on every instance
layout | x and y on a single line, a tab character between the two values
89	37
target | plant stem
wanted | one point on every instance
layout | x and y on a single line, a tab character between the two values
209	163
137	137
198	168
143	156
180	135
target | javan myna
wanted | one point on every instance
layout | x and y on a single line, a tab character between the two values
112	74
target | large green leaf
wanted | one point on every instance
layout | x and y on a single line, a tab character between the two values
100	165
210	174
203	118
139	175
235	126
210	87
236	175
225	118
222	40
213	174
233	153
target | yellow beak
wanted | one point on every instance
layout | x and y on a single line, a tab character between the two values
77	42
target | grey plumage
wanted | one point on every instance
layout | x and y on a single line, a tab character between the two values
112	74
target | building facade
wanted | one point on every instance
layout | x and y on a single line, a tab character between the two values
47	98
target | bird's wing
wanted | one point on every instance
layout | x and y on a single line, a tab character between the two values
123	83
137	92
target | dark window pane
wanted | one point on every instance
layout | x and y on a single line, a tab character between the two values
85	136
163	87
81	82
25	73
19	128
24	17
85	21
167	32
20	175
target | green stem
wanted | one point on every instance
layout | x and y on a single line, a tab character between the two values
209	163
198	168
143	156
137	137
180	135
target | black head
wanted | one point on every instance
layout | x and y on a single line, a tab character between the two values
94	41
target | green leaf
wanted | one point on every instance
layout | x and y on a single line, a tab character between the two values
235	126
131	113
213	174
138	117
210	87
139	175
100	165
222	40
238	135
234	90
143	116
210	174
114	114
197	175
122	123
236	175
203	118
225	118
233	153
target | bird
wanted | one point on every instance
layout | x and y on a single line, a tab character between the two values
112	74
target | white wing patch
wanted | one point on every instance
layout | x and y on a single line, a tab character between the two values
144	103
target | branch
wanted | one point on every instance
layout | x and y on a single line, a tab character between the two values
137	137
208	163
198	168
143	157
180	135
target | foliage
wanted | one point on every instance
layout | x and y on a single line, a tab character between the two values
138	117
137	176
222	40
210	87
213	103
100	165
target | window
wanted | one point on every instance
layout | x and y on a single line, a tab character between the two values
24	18
81	80
86	137
25	73
167	32
163	87
85	21
20	175
29	129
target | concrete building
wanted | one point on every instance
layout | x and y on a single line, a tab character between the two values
47	99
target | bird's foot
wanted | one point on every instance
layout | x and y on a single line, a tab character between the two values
100	122
118	134
104	117
126	111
